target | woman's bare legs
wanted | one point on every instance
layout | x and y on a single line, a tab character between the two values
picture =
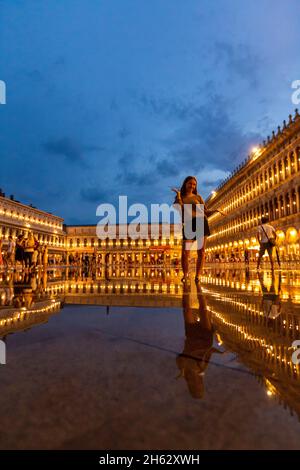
185	259
200	259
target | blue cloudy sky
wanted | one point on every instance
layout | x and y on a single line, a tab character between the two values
109	97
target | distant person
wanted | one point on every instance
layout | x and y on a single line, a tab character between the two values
45	257
29	249
267	240
40	255
19	254
34	260
11	249
190	201
1	256
246	257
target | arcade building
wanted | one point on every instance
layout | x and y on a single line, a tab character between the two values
267	183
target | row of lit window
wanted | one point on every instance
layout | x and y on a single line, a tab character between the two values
123	243
29	218
274	209
275	354
262	182
24	312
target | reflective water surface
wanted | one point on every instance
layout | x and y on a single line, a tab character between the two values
134	359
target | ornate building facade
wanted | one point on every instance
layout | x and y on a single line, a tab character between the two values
17	218
83	241
75	243
267	183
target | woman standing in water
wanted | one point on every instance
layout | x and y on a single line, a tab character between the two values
188	198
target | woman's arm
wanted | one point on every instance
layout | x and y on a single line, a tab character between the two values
178	203
178	199
208	212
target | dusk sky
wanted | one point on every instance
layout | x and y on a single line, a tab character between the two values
127	97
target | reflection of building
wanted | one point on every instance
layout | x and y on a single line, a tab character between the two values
267	183
237	280
136	287
147	251
231	303
17	218
19	319
261	343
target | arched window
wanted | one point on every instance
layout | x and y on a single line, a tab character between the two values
270	177
293	164
281	173
294	202
276	208
271	211
275	173
281	205
266	180
261	186
286	167
287	204
298	158
266	209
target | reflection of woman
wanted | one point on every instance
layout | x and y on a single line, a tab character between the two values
198	346
189	200
271	303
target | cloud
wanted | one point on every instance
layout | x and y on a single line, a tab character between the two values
36	76
203	139
124	132
93	194
162	106
239	60
60	61
209	136
70	149
167	168
142	171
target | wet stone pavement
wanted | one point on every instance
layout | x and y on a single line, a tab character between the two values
139	361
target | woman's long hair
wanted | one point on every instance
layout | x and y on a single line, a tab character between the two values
183	187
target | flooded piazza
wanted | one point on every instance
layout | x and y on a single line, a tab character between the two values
134	359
